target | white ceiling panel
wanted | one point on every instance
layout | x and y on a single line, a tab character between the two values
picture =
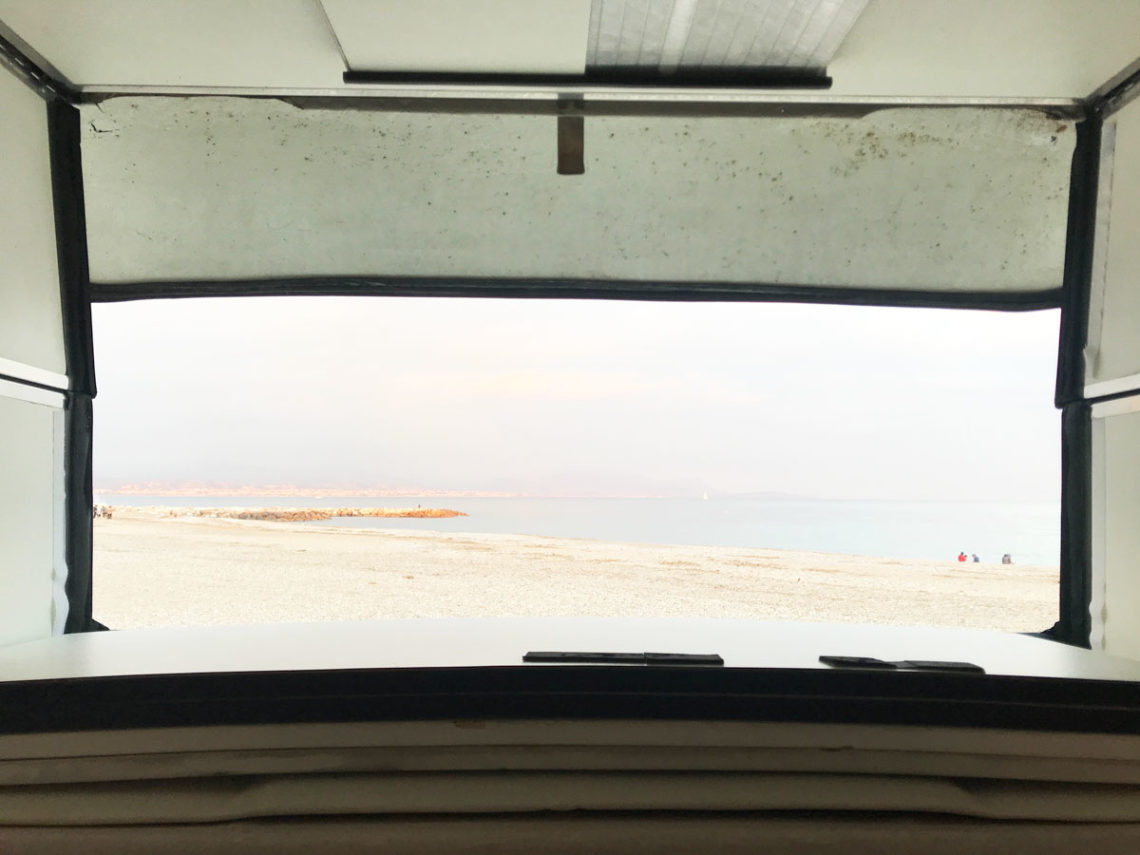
987	48
920	48
462	36
710	34
254	43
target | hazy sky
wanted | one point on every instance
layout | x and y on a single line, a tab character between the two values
571	398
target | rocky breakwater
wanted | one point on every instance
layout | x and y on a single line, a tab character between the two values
312	514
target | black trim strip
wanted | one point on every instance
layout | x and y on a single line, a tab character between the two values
1079	240
1119	92
79	502
1075	624
580	289
1114	396
71	243
71	247
45	85
648	77
33	384
571	691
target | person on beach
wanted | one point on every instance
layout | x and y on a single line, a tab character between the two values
1007	559
961	557
975	557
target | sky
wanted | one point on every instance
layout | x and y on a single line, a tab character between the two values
544	397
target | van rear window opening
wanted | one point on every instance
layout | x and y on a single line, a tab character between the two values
265	460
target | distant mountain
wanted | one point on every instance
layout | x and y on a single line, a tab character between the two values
225	488
573	484
591	484
767	496
562	485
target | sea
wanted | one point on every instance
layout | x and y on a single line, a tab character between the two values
1028	531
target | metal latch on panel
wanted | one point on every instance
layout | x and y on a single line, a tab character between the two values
571	137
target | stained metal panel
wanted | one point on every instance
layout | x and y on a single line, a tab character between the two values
953	200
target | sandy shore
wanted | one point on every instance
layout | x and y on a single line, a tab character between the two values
307	514
185	571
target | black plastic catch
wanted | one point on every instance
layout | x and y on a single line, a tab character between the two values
564	657
902	664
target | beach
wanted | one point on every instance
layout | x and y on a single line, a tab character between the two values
151	569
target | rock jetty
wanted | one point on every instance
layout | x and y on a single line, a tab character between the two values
311	514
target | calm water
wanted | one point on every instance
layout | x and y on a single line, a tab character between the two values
1030	532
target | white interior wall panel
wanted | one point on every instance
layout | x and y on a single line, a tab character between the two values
1116	532
29	495
1112	356
31	349
216	188
31	326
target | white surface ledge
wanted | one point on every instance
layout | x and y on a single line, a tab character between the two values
497	642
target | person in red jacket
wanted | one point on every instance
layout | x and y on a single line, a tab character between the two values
961	556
